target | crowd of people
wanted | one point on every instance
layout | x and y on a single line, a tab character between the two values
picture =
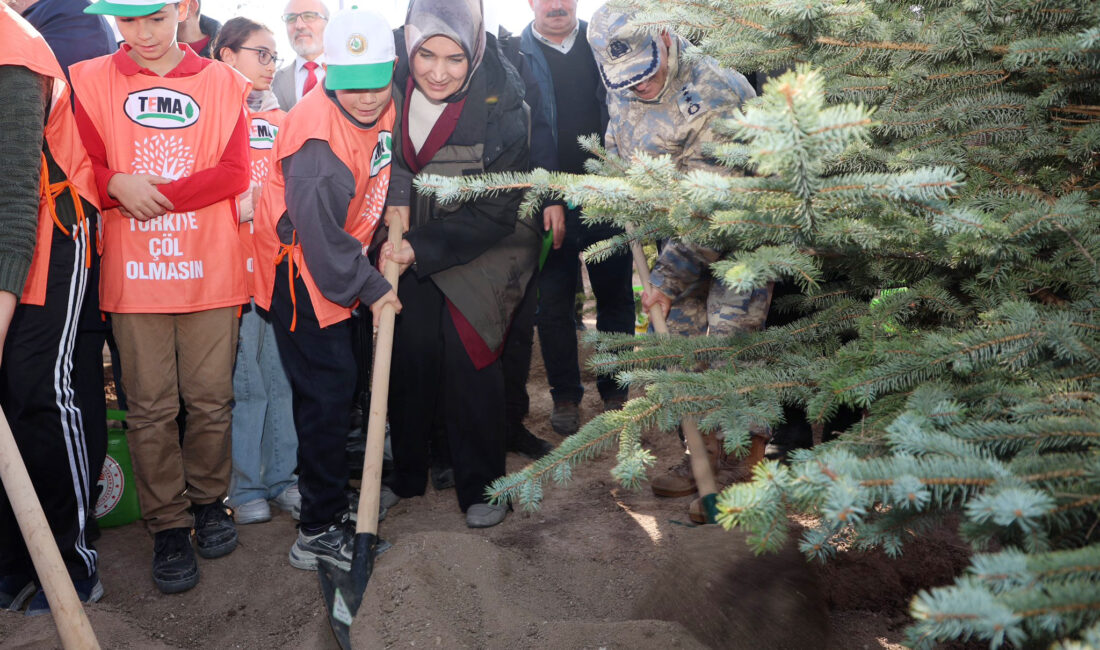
220	219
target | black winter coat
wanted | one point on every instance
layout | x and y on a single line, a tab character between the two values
477	252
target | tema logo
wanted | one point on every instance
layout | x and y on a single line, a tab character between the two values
383	152
161	108
263	134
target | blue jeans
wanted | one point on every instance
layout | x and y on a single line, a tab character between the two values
612	285
265	444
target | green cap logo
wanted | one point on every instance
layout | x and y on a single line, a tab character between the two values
357	44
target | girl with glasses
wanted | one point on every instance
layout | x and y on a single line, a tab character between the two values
265	444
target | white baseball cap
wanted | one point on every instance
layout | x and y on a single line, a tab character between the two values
128	8
359	50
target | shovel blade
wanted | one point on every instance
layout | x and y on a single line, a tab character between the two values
343	590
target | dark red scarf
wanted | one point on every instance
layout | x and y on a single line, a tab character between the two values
438	136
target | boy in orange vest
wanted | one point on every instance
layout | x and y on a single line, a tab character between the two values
46	207
167	134
317	217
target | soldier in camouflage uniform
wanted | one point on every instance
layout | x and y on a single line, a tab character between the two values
661	104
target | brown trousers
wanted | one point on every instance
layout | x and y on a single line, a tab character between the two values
164	357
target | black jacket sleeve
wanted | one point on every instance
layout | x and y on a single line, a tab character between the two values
544	148
400	191
319	189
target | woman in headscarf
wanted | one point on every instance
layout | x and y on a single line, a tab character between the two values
461	113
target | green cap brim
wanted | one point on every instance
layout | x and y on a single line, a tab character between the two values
129	11
367	76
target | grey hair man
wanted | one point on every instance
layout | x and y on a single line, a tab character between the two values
305	22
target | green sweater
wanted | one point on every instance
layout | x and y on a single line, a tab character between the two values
21	127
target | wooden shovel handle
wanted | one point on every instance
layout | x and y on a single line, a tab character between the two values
367	513
68	614
700	464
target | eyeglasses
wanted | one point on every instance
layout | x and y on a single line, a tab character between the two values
306	16
263	55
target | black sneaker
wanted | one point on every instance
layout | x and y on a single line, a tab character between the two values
331	545
215	533
522	441
15	590
442	475
88	590
613	404
174	565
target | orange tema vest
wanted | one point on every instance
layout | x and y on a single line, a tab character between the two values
366	152
25	47
170	127
265	126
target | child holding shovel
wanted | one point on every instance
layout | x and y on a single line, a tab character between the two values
316	218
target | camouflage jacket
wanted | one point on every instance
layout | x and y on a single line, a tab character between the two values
678	123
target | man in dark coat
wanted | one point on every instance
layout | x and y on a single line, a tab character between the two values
557	51
72	34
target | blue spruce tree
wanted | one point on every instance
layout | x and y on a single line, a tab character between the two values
927	175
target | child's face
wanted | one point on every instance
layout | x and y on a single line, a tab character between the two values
153	36
365	106
260	44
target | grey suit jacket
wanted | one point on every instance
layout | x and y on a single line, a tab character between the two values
283	87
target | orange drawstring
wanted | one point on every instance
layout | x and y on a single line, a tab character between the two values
286	252
51	191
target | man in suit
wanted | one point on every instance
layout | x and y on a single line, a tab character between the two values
305	28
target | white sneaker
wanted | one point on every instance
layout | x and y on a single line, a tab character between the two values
387	498
290	500
252	512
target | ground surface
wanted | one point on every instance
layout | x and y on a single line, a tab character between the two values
566	576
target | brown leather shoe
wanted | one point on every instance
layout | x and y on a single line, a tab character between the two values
676	482
695	511
739	470
565	420
679	481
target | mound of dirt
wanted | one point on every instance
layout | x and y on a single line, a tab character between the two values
729	598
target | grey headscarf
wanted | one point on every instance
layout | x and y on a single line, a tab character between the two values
462	21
